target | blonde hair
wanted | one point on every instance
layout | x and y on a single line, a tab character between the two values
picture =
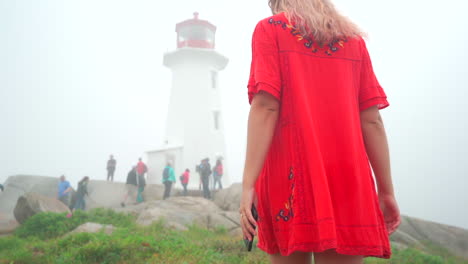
318	19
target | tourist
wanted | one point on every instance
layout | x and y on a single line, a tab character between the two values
111	164
141	169
168	179
184	179
217	174
205	172
197	169
64	189
80	194
313	127
141	183
131	186
1	187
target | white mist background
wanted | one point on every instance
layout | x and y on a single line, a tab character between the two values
80	80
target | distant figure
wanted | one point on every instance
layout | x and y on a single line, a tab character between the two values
197	169
1	187
111	164
184	179
141	183
205	172
217	174
141	169
64	188
167	179
80	194
131	186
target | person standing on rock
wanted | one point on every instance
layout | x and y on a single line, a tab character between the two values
80	194
184	179
205	172
111	164
64	188
131	186
217	174
141	169
168	178
314	137
141	182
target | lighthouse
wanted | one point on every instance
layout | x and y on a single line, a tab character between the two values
194	125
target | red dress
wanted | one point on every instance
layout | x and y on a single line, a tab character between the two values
316	190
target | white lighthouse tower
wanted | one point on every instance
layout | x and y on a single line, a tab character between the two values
194	126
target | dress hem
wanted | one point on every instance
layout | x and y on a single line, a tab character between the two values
365	251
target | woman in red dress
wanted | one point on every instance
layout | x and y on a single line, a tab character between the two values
314	132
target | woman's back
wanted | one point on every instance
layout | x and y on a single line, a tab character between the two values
316	189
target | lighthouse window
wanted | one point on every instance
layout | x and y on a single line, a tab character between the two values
214	79
216	119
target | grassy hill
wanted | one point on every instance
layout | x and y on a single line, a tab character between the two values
43	239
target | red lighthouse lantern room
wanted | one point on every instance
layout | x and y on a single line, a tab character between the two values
195	33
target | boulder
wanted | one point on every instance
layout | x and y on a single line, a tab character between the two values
93	228
32	203
111	194
228	199
16	186
181	212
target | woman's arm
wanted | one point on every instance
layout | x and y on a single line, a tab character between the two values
261	126
375	140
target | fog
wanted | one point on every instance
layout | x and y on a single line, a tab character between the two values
80	80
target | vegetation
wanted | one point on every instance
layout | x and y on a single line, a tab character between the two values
43	239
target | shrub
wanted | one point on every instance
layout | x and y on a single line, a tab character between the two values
51	225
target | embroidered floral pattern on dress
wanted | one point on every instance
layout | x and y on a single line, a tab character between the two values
287	213
333	47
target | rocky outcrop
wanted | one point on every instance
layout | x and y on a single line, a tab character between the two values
101	193
228	199
111	194
417	232
93	228
16	186
181	212
33	203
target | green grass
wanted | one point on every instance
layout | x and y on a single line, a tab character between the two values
42	239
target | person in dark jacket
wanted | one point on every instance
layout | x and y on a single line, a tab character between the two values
111	164
80	194
131	186
205	171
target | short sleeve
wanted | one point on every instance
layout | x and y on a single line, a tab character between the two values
265	68
370	91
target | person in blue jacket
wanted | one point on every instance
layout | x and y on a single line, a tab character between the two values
168	179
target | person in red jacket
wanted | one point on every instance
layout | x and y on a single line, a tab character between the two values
141	169
184	179
217	174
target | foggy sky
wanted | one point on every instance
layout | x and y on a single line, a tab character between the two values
80	80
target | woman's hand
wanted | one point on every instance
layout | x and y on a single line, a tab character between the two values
247	221
391	212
